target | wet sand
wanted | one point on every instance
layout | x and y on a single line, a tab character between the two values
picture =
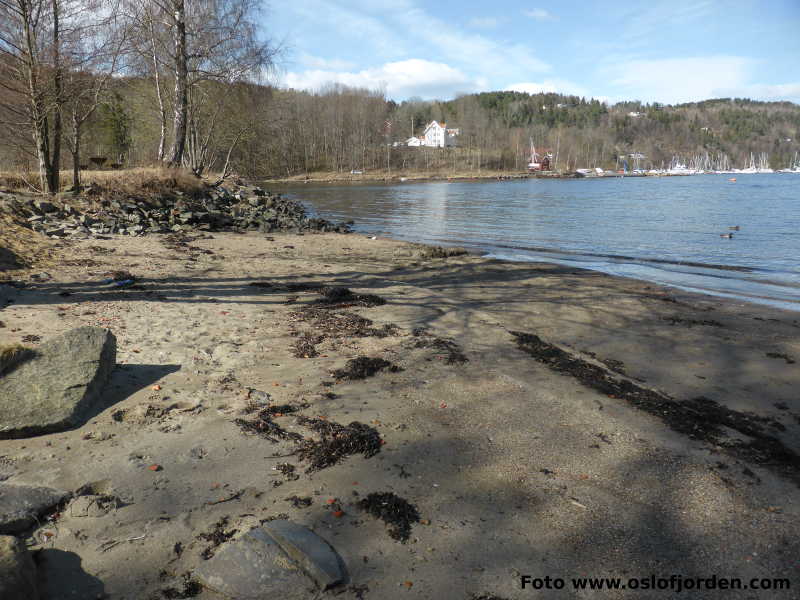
562	447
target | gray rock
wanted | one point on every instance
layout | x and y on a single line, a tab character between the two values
252	568
21	505
45	207
60	387
17	571
314	555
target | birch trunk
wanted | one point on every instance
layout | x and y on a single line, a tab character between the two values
181	86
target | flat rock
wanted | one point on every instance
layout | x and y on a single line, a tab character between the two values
21	505
314	555
17	571
252	568
57	389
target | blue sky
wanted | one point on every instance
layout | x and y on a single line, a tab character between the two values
666	51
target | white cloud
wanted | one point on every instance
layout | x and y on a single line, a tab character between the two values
674	80
484	22
400	79
386	31
643	23
549	86
540	14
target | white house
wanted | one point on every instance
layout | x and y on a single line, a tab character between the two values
439	136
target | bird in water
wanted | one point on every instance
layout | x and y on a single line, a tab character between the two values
734	228
726	235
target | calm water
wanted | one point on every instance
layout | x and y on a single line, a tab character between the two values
661	229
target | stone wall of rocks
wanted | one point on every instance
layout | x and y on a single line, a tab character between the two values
236	208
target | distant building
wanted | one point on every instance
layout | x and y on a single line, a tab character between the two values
439	136
634	114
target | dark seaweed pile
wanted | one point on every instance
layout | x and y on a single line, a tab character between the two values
216	536
305	346
362	367
342	297
299	502
700	418
264	426
336	442
189	589
326	324
789	360
452	351
692	322
330	324
288	470
396	512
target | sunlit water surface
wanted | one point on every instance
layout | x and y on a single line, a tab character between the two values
665	230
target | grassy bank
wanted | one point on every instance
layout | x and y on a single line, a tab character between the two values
138	181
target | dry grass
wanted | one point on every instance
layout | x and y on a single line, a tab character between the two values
127	182
21	247
13	355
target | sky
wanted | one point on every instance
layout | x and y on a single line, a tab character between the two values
654	51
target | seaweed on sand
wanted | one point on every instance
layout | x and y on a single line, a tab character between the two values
216	536
189	589
327	324
699	418
396	512
264	426
362	367
342	297
452	351
330	324
336	442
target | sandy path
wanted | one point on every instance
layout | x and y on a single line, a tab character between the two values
515	469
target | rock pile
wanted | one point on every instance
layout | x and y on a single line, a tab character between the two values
215	209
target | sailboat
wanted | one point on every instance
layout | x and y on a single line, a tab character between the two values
538	162
795	168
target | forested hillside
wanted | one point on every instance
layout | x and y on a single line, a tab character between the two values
123	83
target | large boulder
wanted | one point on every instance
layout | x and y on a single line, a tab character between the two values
22	505
254	567
60	386
281	559
17	571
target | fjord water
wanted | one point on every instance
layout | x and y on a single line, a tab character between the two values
660	229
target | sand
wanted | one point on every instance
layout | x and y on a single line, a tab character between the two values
515	469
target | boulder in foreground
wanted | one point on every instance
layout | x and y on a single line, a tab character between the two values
57	389
254	567
21	505
17	571
282	558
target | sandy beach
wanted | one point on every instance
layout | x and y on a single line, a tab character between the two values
545	421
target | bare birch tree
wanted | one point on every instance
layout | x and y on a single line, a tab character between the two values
32	76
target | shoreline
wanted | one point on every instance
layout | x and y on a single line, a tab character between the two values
754	291
516	461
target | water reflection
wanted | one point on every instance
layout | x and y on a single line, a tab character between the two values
617	226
